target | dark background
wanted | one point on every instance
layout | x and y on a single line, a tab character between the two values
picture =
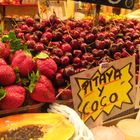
105	2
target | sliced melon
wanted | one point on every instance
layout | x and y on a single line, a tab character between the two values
36	126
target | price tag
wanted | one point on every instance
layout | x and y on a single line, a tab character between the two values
103	66
108	89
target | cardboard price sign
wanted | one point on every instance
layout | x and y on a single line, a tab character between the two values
110	91
128	4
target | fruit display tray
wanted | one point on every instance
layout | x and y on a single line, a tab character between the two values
34	108
66	102
25	109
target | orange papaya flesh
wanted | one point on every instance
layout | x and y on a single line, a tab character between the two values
36	126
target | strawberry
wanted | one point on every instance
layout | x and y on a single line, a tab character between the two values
7	75
46	66
4	50
23	61
41	88
13	98
2	62
12	56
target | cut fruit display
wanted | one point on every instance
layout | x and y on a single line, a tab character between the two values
43	126
82	132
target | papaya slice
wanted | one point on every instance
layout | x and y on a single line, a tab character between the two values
36	126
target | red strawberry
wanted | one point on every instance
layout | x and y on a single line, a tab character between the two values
2	62
47	67
4	50
12	56
23	61
41	88
14	97
7	75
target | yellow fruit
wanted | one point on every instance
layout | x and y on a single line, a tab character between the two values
42	126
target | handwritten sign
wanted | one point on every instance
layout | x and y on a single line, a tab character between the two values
110	91
128	4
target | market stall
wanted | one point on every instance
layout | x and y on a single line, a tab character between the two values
70	70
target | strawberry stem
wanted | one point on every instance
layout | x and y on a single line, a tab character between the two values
126	52
62	91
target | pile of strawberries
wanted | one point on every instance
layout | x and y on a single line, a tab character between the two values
23	77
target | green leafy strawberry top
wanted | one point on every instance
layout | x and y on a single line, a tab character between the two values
15	43
41	55
33	79
2	93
